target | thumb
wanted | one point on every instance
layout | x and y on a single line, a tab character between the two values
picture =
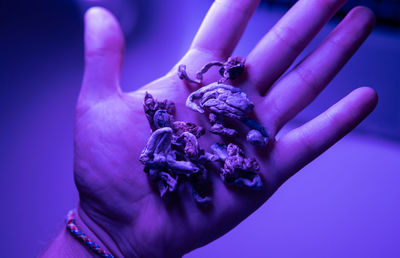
104	48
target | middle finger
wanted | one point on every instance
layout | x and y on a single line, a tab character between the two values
277	50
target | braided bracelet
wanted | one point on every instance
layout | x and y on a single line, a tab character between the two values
73	228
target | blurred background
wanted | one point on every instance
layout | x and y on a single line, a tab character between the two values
344	204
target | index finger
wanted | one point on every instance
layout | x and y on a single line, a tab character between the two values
223	26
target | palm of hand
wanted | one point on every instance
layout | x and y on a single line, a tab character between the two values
116	130
111	131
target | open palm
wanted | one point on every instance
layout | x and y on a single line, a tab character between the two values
116	197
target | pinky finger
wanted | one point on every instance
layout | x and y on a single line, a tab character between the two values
303	144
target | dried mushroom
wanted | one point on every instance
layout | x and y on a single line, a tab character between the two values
225	101
237	169
229	70
173	155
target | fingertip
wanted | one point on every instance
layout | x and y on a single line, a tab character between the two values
364	16
99	17
102	31
95	11
369	96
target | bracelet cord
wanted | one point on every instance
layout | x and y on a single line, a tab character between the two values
73	228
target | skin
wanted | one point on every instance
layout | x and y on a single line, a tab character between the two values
119	208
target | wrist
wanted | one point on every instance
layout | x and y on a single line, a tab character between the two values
96	233
116	239
67	244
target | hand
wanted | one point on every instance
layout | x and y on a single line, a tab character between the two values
116	199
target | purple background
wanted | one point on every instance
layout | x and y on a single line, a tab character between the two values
345	204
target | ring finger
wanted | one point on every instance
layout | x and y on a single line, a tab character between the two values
300	86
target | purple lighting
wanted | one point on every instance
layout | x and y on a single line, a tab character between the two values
343	204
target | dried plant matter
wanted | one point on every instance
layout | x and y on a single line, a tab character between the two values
158	154
181	127
237	169
172	153
229	70
225	101
159	114
221	98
